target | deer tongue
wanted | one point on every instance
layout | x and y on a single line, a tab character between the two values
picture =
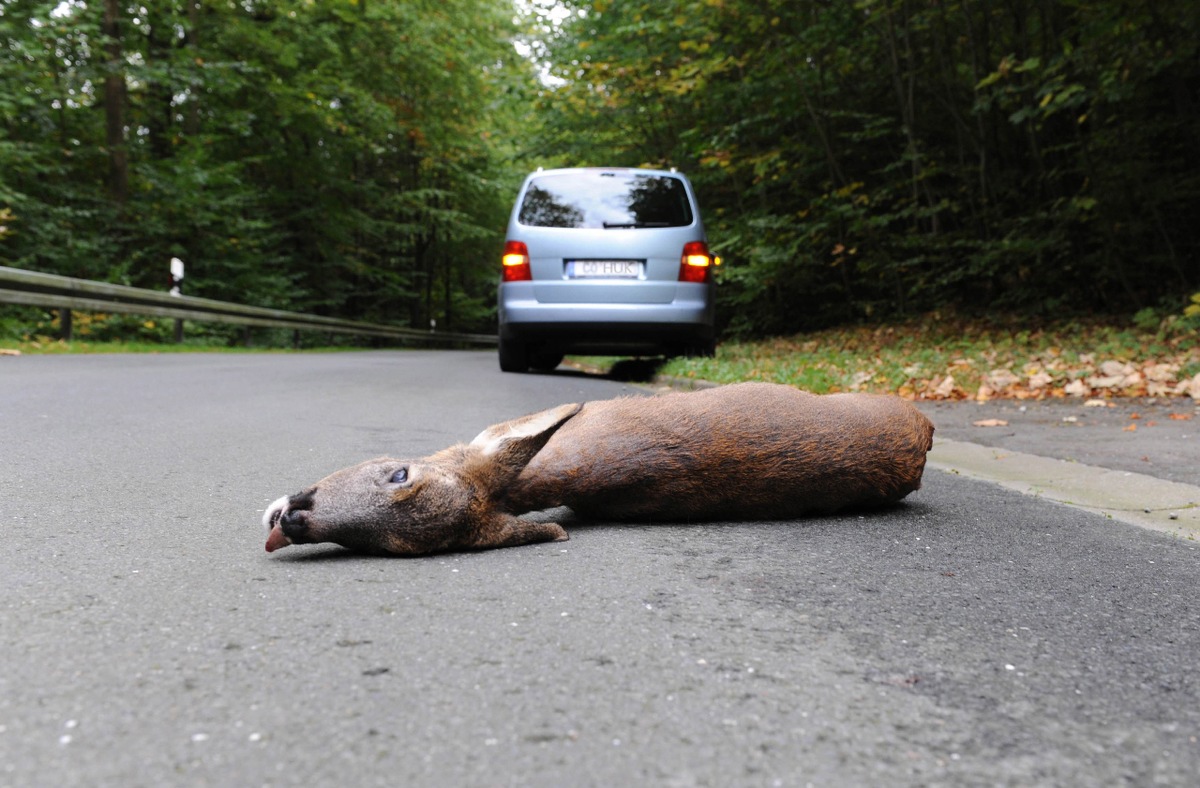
277	539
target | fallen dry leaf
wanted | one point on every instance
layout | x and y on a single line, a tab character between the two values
1130	428
1039	380
991	423
945	389
1002	378
1179	416
1161	373
1115	369
1076	388
1106	381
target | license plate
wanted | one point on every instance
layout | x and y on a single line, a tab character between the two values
604	269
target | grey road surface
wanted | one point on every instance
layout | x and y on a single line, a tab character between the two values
971	636
1156	436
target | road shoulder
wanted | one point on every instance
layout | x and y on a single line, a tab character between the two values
1158	504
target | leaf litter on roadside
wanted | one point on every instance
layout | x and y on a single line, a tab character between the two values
955	360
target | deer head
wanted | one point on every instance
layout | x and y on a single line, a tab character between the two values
447	501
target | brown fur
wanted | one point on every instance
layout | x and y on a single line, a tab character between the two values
750	451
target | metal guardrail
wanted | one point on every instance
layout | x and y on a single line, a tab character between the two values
32	288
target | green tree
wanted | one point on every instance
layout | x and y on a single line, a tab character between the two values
340	156
884	157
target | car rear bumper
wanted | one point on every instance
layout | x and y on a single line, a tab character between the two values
520	305
607	328
610	338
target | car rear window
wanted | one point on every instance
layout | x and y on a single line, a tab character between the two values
605	199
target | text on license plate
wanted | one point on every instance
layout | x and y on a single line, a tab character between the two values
604	269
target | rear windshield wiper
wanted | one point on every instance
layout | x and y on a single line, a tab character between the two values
634	225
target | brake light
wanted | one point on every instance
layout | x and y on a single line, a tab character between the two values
516	262
695	263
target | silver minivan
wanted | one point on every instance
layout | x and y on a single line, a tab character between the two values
604	261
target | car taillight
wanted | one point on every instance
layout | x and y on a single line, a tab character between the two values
516	262
696	262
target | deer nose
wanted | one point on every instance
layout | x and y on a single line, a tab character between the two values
294	520
294	525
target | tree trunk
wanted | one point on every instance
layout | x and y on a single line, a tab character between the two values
114	105
159	90
191	115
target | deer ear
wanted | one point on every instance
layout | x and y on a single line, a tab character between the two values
515	442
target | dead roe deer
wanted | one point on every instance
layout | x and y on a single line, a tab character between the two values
751	451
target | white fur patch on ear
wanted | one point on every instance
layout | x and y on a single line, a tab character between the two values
279	505
490	440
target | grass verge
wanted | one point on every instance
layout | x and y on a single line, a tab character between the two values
953	359
47	346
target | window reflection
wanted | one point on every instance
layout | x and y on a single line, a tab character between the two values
605	199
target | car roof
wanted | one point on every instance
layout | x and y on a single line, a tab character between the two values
642	170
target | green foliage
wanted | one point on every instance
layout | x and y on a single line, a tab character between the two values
338	156
857	161
1192	310
872	159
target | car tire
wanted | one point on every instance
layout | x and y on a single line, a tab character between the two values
545	361
514	356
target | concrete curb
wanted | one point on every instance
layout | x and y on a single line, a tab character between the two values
1145	501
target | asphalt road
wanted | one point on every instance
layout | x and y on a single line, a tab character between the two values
971	636
1158	437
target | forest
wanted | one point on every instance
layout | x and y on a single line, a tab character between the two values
856	160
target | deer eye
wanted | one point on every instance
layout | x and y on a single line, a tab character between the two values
399	477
